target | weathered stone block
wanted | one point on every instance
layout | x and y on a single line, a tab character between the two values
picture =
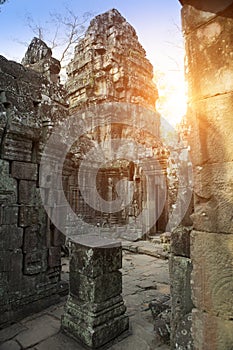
4	285
95	327
91	259
95	311
54	258
213	198
180	241
181	302
96	289
8	186
161	312
29	90
11	237
15	270
182	337
35	262
86	261
31	239
25	128
193	18
53	275
27	192
7	82
28	216
35	236
4	261
112	259
212	276
8	260
11	268
211	123
9	215
209	53
15	149
180	272
24	171
210	179
211	332
95	314
100	335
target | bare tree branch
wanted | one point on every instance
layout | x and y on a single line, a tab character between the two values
36	28
178	28
178	67
74	27
60	31
178	46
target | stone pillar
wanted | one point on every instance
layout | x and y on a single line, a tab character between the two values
95	311
209	43
180	267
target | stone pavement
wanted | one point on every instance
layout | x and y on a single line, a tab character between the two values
145	278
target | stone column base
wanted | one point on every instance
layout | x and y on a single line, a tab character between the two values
98	326
95	311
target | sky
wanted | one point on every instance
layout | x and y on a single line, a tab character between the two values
157	25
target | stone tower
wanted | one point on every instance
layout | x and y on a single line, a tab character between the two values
110	69
110	65
39	58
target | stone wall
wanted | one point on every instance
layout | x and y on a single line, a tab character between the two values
208	34
30	249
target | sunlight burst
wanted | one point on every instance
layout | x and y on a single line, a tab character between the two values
172	101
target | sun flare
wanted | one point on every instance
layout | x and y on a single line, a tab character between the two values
172	101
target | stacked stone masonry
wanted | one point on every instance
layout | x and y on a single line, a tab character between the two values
29	248
110	65
208	33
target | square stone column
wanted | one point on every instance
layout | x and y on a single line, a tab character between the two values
208	31
95	310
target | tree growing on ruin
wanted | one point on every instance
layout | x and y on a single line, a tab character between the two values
61	31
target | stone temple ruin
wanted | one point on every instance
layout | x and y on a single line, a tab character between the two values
110	68
110	100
